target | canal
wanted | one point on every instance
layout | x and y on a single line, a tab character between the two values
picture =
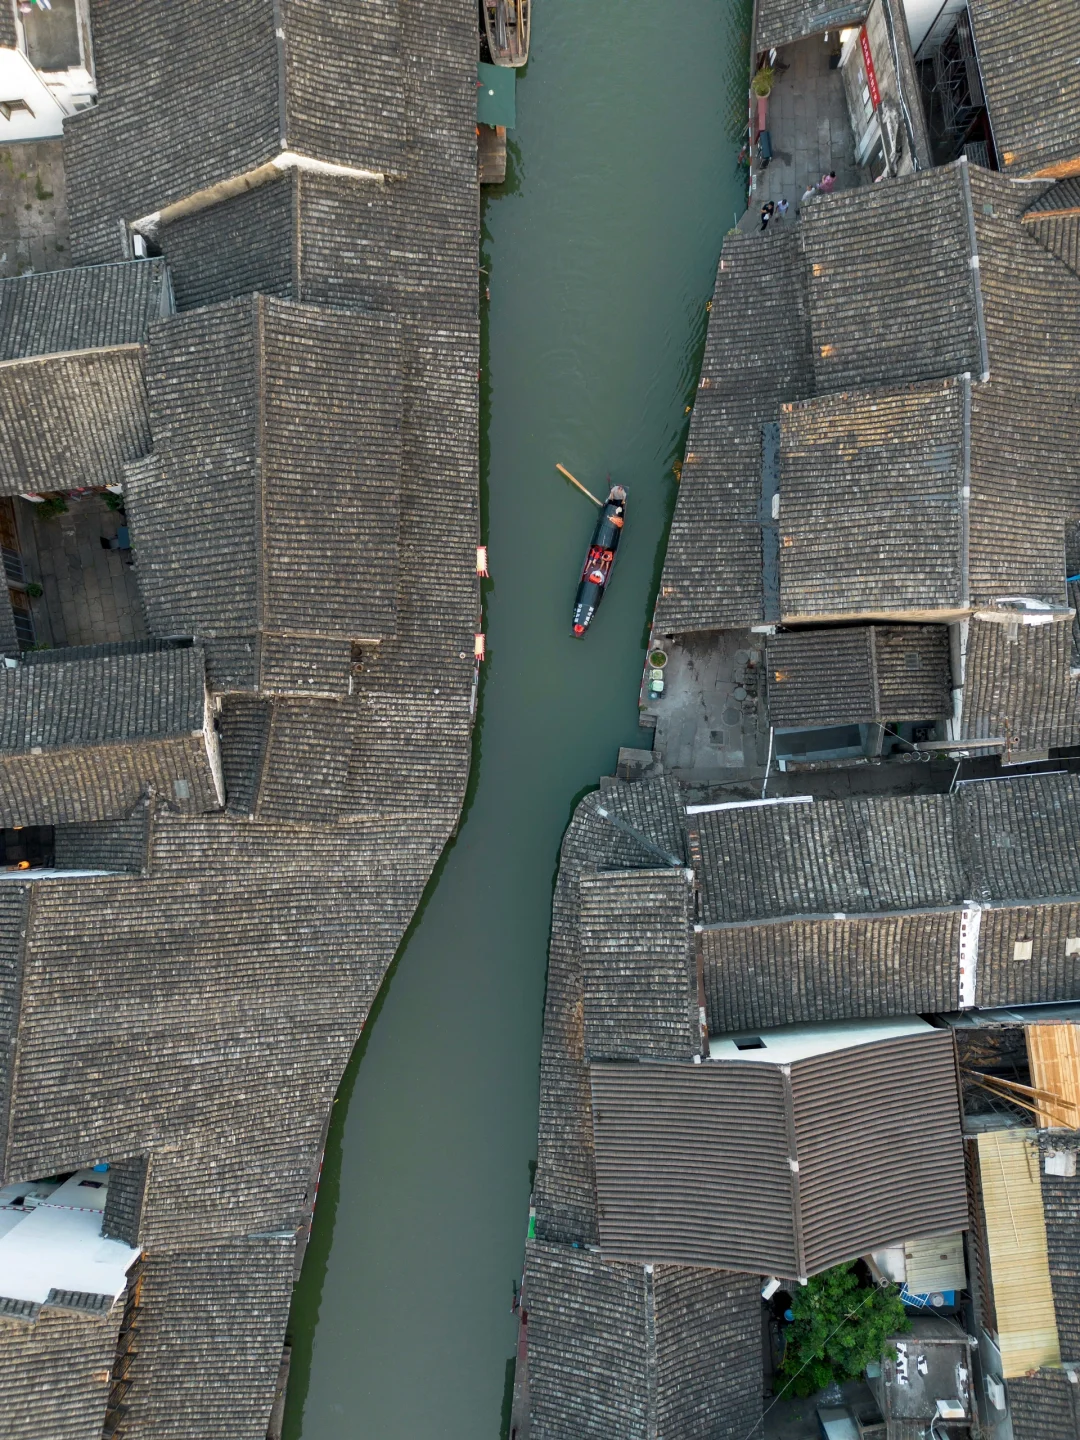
601	251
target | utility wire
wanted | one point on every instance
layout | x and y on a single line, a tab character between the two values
849	1316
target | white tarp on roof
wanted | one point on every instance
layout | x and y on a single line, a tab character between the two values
58	1245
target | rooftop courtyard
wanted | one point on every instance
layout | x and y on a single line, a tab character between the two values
806	117
80	560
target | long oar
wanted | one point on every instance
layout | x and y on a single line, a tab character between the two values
563	471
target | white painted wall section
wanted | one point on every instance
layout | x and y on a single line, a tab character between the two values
58	1245
44	117
789	1043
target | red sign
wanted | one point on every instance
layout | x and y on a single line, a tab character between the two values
868	63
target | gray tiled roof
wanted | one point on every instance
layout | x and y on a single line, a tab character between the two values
897	261
872	501
1005	977
858	673
1017	833
273	508
712	569
121	845
1061	1207
998	840
330	85
817	858
693	1162
81	739
1045	1406
786	972
323	239
124	1200
245	724
12	936
640	981
86	308
1060	198
892	261
613	1349
781	21
206	974
238	970
564	1191
1032	303
9	639
305	766
1054	220
54	1373
1034	107
86	699
841	909
188	1332
71	421
244	245
1019	685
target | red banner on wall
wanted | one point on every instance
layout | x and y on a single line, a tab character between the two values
868	64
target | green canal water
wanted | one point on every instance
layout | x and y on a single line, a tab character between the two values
601	249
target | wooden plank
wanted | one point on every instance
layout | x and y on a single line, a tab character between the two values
935	1262
1054	1060
491	153
1010	1170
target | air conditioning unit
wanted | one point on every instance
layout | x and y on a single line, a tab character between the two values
995	1393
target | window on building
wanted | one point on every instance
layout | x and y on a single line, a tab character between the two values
23	616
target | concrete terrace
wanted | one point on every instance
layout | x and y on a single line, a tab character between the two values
807	119
90	592
33	208
710	723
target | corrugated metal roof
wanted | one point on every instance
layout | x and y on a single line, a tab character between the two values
1016	1237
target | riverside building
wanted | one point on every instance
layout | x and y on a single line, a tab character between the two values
226	779
788	969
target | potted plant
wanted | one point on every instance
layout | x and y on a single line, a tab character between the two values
762	82
658	659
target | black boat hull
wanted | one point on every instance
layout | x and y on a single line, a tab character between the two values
599	561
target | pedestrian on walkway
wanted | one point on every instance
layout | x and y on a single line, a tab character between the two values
826	183
782	208
767	211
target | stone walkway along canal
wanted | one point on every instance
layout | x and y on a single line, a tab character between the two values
601	248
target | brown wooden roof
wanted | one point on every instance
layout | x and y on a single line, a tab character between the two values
779	1170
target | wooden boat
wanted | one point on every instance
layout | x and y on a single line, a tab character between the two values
506	27
600	560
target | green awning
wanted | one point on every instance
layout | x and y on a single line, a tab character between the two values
495	95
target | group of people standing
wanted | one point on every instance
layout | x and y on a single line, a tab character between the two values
777	209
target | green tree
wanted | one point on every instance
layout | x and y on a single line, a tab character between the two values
840	1327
